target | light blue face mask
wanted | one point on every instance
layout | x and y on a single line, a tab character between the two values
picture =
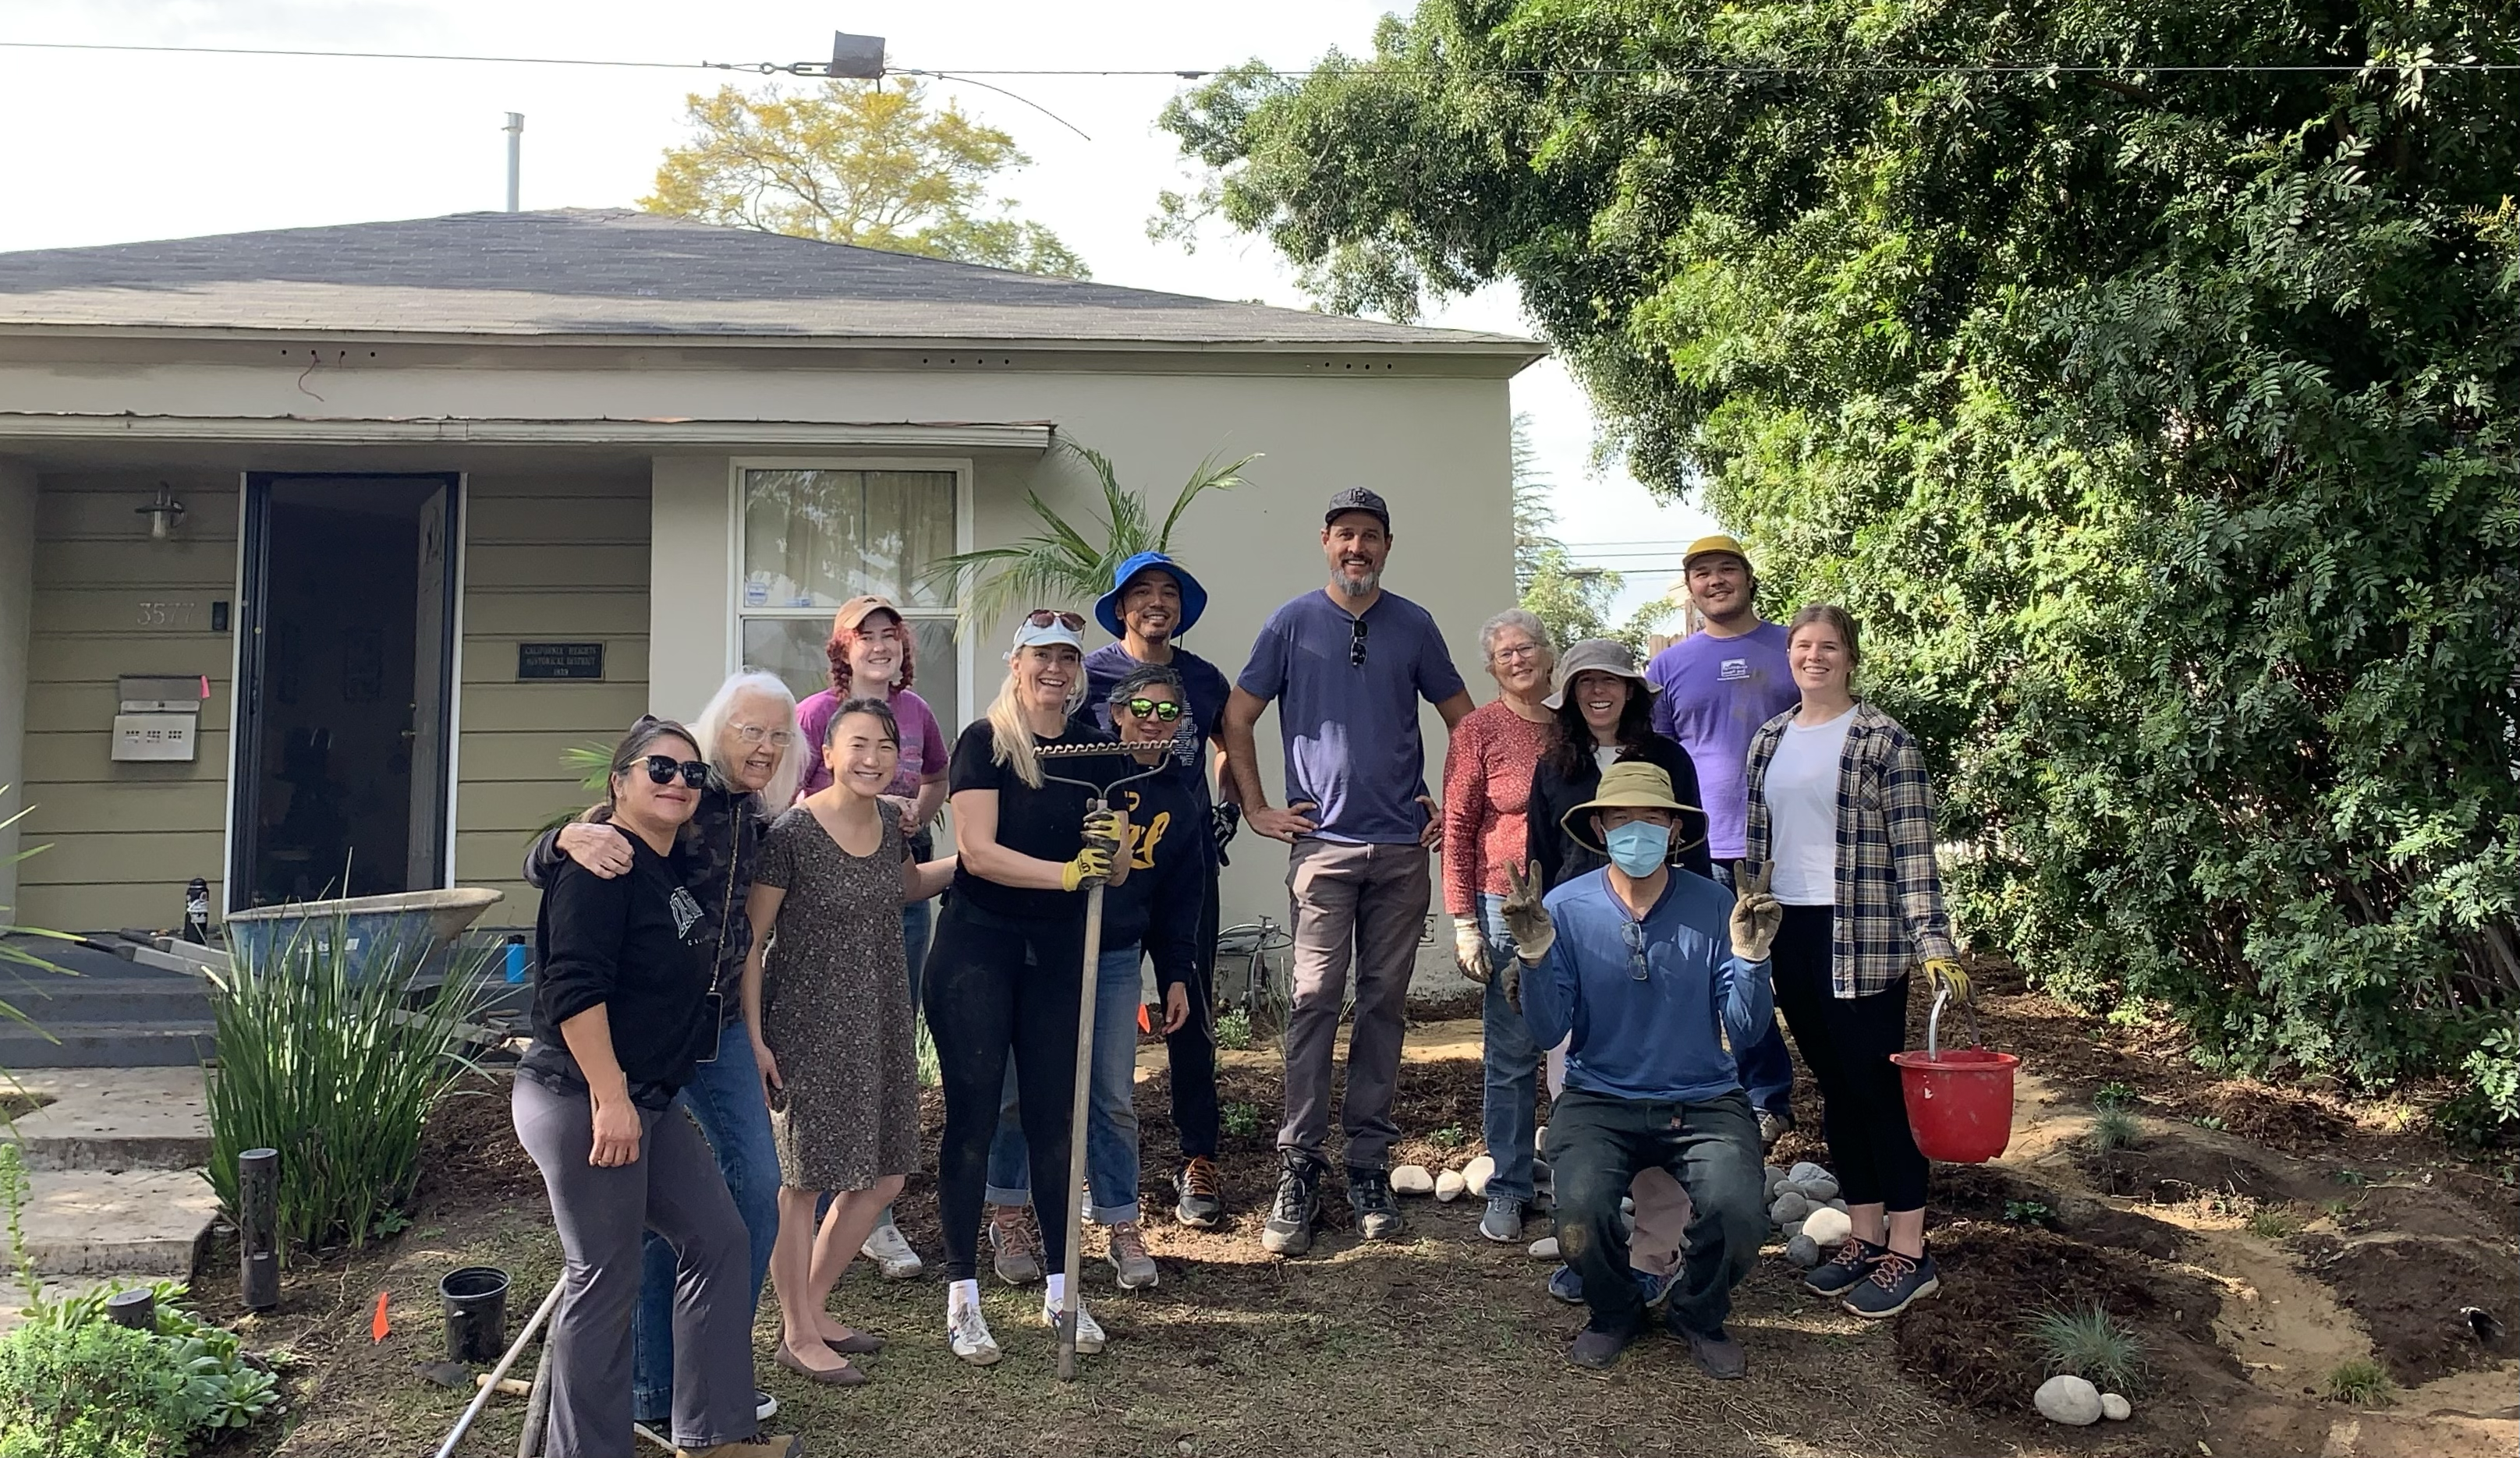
1639	846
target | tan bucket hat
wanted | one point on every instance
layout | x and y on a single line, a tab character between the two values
1631	784
1598	655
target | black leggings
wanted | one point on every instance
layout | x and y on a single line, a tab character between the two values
1847	1044
1190	1051
992	988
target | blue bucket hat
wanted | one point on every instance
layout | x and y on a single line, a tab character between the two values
1106	608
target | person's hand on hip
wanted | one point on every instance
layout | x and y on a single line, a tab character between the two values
1282	824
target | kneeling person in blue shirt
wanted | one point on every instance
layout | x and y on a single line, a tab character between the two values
1641	965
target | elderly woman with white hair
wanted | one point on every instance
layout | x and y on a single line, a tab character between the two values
748	735
1487	783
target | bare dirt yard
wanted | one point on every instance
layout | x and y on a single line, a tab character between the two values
2254	1237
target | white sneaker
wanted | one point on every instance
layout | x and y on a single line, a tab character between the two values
1088	1332
891	1253
968	1331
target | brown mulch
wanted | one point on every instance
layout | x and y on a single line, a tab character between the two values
2413	1297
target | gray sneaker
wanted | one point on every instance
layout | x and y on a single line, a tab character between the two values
1018	1256
1289	1230
1377	1213
1129	1257
1503	1223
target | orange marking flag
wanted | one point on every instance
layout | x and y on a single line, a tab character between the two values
379	1328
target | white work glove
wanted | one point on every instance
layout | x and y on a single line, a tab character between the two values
1470	950
1756	914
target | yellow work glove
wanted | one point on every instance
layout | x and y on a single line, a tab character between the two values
1756	914
1091	868
1948	973
1106	827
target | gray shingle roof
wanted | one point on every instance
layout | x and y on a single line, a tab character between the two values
616	274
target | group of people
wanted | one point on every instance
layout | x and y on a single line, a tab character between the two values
741	931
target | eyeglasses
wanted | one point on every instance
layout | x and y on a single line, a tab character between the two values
663	767
1356	646
1634	934
1518	653
1146	708
1043	617
754	733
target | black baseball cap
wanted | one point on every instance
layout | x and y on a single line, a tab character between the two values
1358	498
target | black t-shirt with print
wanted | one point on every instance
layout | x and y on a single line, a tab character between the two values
639	944
1046	823
1157	907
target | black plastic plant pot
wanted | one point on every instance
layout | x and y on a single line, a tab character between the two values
476	1298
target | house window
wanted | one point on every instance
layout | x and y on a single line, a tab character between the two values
814	538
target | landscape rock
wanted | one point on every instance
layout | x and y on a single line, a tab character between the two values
1837	1205
2068	1399
1803	1252
1775	1177
1413	1179
1793	1229
1449	1186
1545	1248
1789	1207
2115	1408
1475	1177
1823	1188
1804	1172
1828	1228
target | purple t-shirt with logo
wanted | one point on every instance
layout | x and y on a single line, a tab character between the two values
1350	729
1715	692
922	743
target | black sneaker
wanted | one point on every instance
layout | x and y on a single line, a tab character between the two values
1893	1285
1298	1208
1718	1355
764	1406
1369	1194
1772	1128
1201	1205
1840	1272
1597	1349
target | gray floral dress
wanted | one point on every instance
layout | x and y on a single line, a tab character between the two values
835	1009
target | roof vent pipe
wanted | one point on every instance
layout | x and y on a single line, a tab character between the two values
516	130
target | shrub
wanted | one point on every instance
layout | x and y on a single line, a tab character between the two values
2114	1129
2360	1382
91	1391
338	1074
2089	1343
1240	1118
1234	1030
2115	1097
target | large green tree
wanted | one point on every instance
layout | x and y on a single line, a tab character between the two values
2155	421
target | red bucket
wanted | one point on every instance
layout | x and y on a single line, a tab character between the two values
1960	1103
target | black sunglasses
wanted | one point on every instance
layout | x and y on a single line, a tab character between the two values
1356	646
1146	708
663	767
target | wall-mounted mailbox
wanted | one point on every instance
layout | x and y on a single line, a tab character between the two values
161	716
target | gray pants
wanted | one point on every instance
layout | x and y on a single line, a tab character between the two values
675	1189
1365	905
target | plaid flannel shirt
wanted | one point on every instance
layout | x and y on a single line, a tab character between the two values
1889	907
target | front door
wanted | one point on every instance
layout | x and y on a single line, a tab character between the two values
344	686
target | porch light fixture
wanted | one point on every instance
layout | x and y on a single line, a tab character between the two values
162	514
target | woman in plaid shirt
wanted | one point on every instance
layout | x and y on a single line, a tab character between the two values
1840	805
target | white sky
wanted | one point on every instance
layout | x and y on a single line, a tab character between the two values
112	148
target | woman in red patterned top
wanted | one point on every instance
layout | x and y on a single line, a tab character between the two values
1487	782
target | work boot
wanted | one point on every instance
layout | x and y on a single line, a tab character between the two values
791	1446
1718	1355
1129	1257
1202	1206
1597	1349
1773	1126
1018	1256
1298	1207
1369	1194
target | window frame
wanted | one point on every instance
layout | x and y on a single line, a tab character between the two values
963	467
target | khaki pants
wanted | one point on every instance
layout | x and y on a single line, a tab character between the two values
1366	906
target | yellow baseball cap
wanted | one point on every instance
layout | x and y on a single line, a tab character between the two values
1716	543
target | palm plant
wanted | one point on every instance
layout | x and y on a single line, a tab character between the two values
1064	563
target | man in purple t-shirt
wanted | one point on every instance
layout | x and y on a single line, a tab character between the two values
1718	685
1346	666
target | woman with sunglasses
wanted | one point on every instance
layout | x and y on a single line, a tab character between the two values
1155	912
748	731
1003	976
872	655
622	1016
829	1024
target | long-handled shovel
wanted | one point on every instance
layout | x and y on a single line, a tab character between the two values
1098	798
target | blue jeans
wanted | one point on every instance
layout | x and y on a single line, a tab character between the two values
1766	1070
1510	1061
1112	1122
725	1096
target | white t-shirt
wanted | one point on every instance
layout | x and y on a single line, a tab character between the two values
1801	792
1605	754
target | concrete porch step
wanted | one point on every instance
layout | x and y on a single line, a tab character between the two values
112	1119
142	1222
107	1045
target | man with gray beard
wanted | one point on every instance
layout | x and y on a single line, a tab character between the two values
1346	666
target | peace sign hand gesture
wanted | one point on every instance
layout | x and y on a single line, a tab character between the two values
1756	914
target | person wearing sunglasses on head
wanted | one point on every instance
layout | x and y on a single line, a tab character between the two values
1647	971
1346	666
1154	913
1153	600
1002	981
623	1017
750	732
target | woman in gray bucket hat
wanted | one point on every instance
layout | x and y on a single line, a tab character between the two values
1605	708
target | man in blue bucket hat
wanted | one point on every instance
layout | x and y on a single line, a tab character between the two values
1152	602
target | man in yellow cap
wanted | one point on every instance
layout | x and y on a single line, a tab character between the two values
1714	688
1649	971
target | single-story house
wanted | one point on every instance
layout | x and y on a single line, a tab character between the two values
326	542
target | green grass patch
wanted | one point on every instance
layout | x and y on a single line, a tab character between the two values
2090	1343
2360	1382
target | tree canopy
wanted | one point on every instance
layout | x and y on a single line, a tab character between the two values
2155	421
869	163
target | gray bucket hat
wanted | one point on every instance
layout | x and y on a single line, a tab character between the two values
1597	656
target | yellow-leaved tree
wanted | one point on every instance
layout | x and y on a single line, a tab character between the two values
865	162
